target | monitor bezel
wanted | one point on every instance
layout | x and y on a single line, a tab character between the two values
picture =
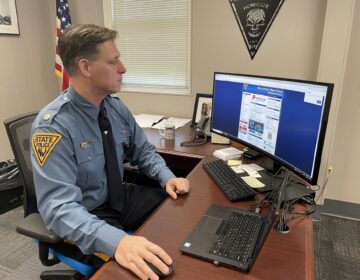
323	126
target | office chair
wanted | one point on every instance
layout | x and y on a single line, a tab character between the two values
18	129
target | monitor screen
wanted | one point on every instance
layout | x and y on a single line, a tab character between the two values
281	118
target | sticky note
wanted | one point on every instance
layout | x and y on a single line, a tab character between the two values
253	182
234	162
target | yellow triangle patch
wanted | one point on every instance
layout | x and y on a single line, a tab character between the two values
43	143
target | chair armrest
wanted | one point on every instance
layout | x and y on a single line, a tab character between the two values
34	227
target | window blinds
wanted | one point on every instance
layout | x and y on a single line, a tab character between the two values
154	44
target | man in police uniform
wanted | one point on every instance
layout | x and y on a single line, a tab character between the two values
69	164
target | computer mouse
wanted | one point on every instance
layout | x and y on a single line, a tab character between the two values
158	272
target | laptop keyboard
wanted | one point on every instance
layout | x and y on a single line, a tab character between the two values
229	182
236	236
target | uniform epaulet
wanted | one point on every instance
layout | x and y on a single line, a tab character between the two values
47	115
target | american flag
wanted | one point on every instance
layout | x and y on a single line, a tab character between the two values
63	20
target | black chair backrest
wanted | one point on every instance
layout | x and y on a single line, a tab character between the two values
18	129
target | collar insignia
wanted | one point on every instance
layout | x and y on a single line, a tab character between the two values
46	117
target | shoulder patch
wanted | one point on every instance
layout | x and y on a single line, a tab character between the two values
43	143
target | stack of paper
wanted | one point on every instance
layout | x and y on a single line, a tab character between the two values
146	120
228	153
177	122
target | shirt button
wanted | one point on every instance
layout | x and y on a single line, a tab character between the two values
65	98
89	157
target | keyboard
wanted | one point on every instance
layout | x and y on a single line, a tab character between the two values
236	236
229	182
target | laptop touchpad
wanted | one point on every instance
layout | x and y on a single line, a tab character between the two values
210	224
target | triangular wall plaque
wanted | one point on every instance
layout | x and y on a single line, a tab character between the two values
255	18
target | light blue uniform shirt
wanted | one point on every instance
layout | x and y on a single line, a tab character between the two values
72	180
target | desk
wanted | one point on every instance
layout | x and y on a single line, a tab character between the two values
180	159
283	256
174	147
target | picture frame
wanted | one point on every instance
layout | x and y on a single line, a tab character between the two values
203	106
8	17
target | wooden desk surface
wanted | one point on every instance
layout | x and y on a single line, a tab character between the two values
283	256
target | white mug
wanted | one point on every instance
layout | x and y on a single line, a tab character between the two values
168	131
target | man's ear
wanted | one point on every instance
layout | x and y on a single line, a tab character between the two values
84	67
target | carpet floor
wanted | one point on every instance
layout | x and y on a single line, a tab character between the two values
337	248
19	258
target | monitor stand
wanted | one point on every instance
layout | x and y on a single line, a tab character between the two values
269	165
252	154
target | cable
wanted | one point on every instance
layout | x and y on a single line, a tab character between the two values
275	176
281	226
288	207
268	197
264	202
196	140
322	190
311	210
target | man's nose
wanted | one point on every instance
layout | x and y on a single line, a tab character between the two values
122	68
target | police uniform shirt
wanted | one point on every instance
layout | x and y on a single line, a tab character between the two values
69	167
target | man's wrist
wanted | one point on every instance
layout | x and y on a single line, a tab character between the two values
165	175
108	239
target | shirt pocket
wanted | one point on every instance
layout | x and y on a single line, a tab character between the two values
122	143
91	165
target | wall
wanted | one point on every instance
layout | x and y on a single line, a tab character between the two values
345	153
296	46
290	49
27	79
86	11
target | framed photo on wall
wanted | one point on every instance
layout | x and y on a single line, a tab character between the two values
8	17
203	106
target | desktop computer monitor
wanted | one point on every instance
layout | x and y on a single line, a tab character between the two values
283	119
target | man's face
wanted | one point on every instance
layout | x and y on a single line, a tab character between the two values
106	70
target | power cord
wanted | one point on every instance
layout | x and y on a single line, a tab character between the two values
323	189
262	204
196	138
287	213
268	197
281	225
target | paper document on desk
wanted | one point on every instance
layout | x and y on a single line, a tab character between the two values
251	169
177	122
238	169
146	120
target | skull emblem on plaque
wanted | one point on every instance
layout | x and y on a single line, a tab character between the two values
255	20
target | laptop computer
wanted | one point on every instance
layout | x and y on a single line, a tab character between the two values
219	223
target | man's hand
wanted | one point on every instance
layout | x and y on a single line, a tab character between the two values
133	250
177	186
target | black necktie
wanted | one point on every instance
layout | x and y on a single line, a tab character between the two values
114	182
